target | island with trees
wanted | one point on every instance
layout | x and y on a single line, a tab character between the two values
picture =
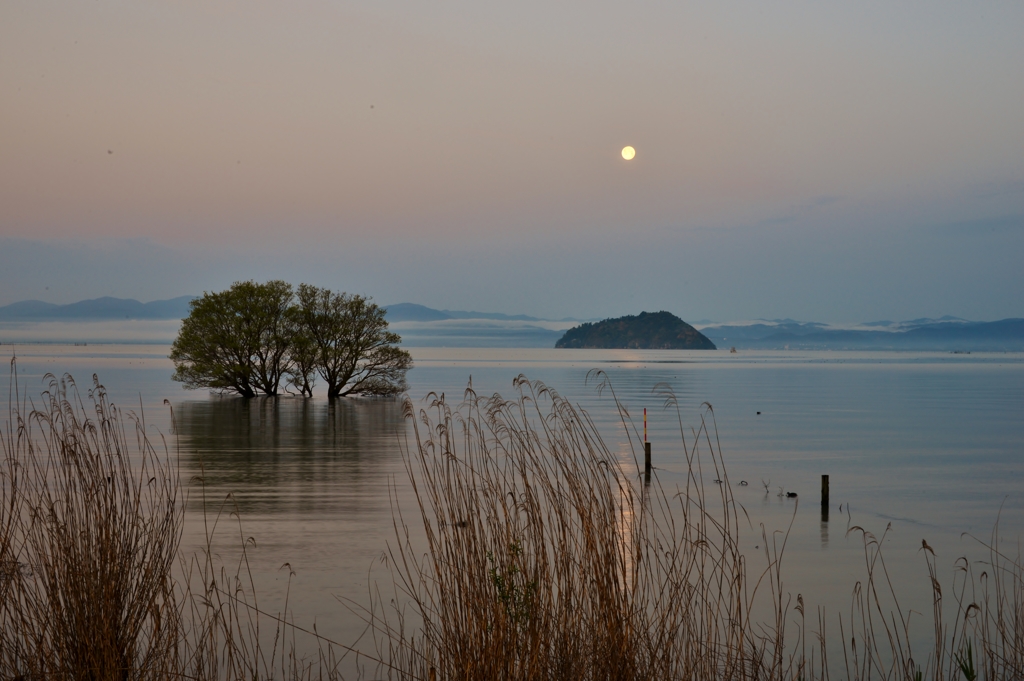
645	331
255	338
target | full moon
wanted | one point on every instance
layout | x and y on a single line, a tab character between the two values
628	153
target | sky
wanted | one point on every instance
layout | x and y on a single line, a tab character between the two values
834	162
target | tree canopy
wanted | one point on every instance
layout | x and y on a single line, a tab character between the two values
251	337
349	340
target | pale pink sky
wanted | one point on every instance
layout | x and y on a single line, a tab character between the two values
823	161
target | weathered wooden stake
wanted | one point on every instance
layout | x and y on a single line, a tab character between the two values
824	499
647	453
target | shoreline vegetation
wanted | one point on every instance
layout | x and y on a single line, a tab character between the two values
546	557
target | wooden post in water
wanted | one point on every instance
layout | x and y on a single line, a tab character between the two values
647	463
647	451
824	498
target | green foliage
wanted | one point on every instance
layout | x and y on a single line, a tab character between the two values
965	661
250	337
355	352
514	592
236	340
304	355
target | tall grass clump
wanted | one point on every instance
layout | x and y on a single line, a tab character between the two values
89	538
93	584
977	619
547	555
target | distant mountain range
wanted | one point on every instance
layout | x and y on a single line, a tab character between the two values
96	309
178	308
411	312
945	333
424	325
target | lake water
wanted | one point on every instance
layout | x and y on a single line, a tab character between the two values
931	443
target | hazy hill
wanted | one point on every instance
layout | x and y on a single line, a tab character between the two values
646	331
177	308
96	308
945	333
411	312
422	326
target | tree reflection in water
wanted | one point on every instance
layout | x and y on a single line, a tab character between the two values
291	455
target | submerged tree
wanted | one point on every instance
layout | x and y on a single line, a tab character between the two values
304	355
250	337
236	340
355	353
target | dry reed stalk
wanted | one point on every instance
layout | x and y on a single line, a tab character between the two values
93	537
547	557
92	583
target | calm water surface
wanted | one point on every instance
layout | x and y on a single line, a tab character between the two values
928	444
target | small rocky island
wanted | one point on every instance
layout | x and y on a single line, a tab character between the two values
645	331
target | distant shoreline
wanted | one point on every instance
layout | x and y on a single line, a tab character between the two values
421	326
